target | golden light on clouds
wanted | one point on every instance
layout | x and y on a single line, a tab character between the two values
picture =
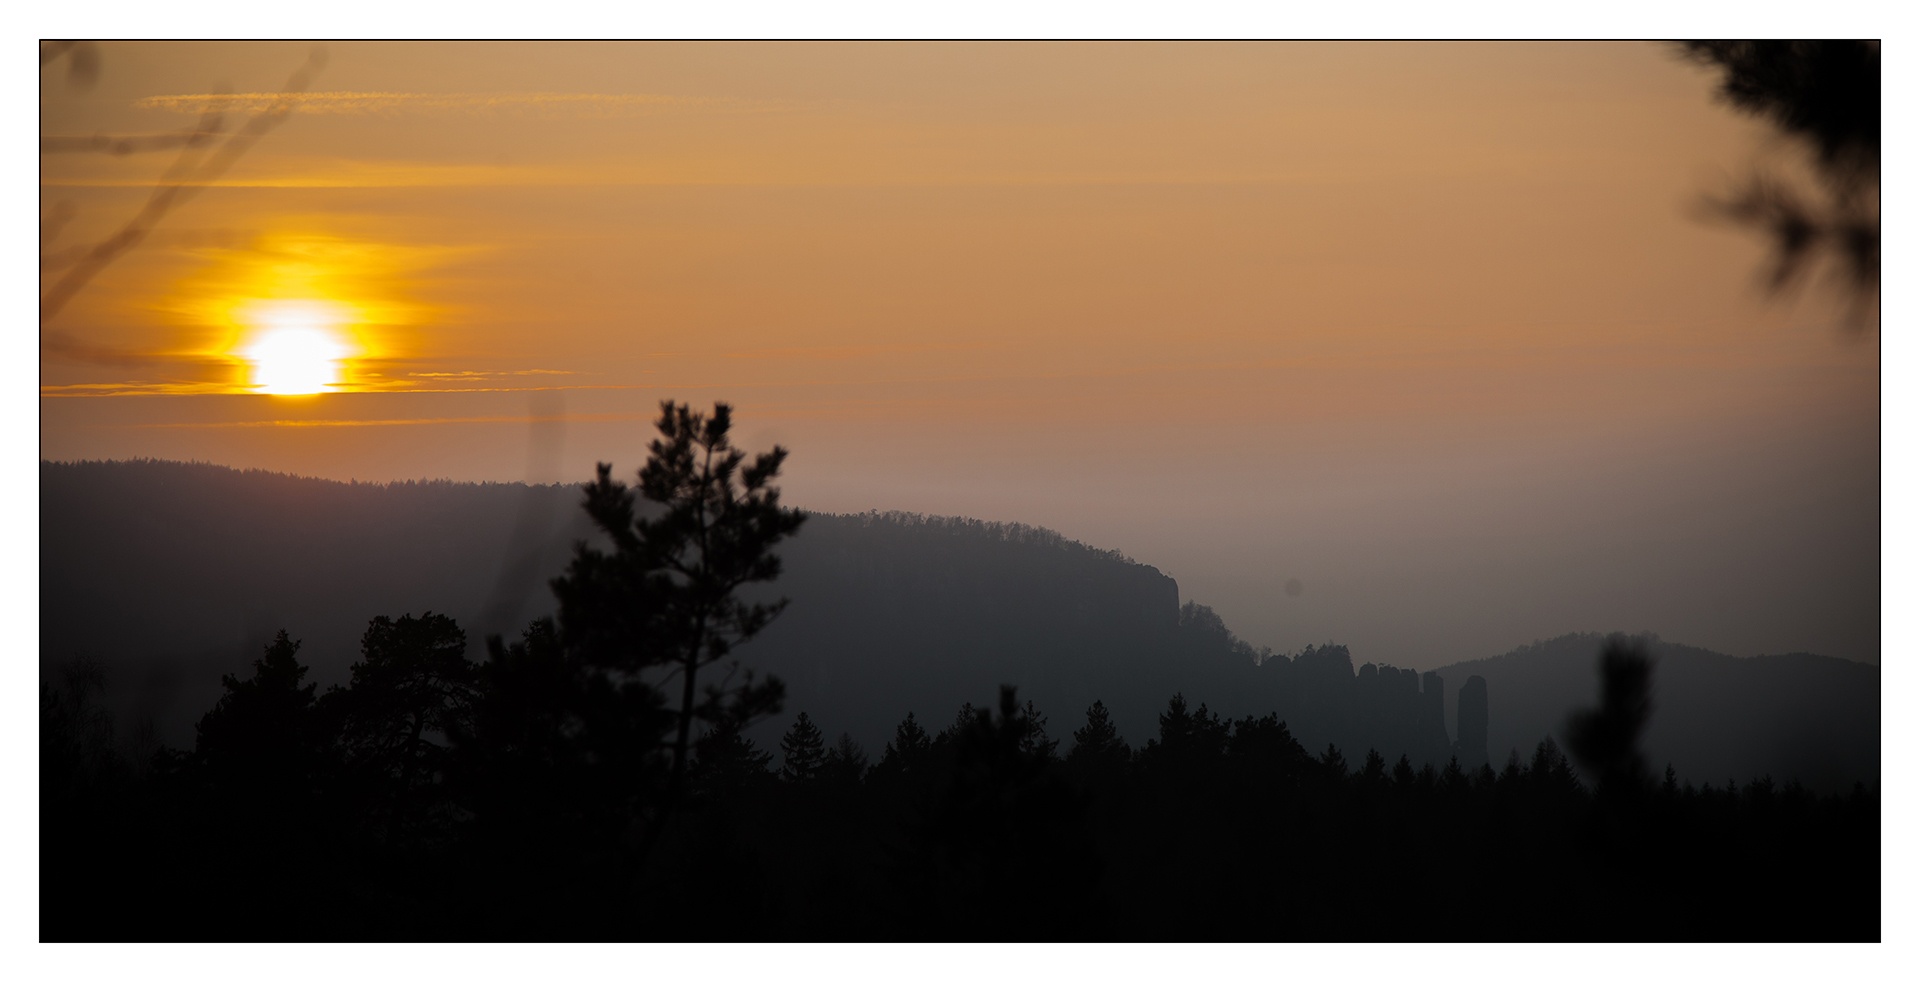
304	313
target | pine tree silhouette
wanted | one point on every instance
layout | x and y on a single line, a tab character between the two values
667	597
412	686
1006	822
1375	767
802	750
962	722
1550	771
1403	773
907	753
262	731
1266	745
724	759
1097	747
1334	762
845	763
1033	739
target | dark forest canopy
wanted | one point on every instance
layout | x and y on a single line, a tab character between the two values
527	814
169	575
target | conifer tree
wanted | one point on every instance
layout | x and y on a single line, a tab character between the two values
845	762
1824	95
1033	738
1004	821
1513	771
1427	778
1403	772
664	604
413	683
1551	771
262	728
1485	778
1176	725
1375	768
962	721
1334	762
907	752
802	750
1097	745
725	758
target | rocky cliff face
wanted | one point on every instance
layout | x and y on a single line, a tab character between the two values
1471	746
1396	711
898	613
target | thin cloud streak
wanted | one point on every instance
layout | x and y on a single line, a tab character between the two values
477	375
428	421
350	174
1428	355
102	389
557	105
843	352
111	389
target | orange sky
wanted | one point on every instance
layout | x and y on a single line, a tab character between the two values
1433	328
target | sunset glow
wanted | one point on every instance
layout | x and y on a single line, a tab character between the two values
297	350
565	488
1376	318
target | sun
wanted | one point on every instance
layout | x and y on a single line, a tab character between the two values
297	350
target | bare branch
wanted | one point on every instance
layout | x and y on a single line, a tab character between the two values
120	146
181	182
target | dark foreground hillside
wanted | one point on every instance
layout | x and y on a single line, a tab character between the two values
286	822
169	575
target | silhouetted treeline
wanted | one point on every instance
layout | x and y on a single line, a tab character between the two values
435	797
170	575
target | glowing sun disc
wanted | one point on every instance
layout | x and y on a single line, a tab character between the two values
296	360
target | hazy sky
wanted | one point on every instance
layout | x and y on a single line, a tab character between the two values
1434	329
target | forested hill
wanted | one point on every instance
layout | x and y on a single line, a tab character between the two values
897	613
1715	717
169	575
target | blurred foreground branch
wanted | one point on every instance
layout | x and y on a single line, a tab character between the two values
1824	96
189	173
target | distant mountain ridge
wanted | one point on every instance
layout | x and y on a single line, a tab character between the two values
1716	717
171	574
